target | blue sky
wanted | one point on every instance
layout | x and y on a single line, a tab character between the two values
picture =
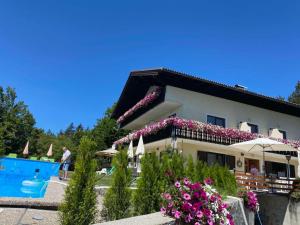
69	60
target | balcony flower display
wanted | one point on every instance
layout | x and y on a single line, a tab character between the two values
195	203
250	200
149	98
194	125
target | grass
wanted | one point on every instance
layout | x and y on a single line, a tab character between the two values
107	180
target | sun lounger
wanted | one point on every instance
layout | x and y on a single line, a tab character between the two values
33	158
12	155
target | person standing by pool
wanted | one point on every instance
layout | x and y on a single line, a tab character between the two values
66	161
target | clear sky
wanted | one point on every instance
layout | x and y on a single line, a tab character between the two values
69	60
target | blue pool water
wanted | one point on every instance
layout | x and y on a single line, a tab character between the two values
19	177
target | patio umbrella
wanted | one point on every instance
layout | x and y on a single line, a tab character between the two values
130	150
140	150
26	149
261	145
50	153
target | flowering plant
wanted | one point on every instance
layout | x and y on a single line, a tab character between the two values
250	200
195	203
142	103
194	125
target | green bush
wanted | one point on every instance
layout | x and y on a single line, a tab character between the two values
117	199
171	168
147	196
79	206
190	168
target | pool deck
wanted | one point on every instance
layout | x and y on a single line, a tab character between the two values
53	197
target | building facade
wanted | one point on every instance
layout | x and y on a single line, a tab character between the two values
203	118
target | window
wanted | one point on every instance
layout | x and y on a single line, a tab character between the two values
279	169
254	128
216	120
211	158
283	133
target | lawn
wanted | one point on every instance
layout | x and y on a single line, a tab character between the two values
107	180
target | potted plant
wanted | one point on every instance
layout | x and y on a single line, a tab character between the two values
195	203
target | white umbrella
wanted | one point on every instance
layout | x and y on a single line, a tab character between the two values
26	149
130	150
261	145
50	153
140	150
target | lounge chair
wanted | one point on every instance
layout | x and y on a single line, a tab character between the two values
51	160
33	158
44	159
12	155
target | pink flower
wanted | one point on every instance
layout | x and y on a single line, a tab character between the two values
177	214
186	181
163	210
186	196
197	223
199	214
167	196
208	181
177	184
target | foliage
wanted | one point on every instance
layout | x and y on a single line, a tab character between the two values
147	196
295	96
16	123
106	131
250	200
224	180
195	203
79	206
117	199
190	169
172	167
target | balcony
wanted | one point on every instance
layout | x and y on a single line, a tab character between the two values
151	112
194	130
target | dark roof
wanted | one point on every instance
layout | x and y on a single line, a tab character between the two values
139	82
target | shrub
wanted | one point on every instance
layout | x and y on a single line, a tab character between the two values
79	206
195	203
171	168
190	169
147	196
117	199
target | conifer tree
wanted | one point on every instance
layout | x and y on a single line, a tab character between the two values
147	196
117	199
79	206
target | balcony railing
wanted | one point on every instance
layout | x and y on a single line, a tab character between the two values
198	135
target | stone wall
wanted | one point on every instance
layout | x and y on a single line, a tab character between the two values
237	212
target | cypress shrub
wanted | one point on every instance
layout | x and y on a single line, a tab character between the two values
190	169
147	196
117	199
79	205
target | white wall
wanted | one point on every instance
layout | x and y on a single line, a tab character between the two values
197	106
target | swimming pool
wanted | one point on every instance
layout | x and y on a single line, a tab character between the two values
25	178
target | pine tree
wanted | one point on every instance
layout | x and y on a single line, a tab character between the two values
295	96
79	206
117	199
147	196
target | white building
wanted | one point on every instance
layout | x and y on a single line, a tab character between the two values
185	105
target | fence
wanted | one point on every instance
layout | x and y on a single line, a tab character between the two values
248	181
